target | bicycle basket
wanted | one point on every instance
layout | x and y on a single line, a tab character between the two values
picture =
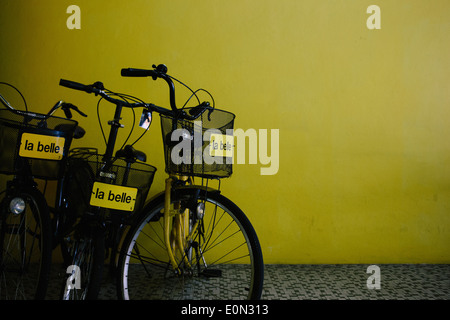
33	146
200	147
87	181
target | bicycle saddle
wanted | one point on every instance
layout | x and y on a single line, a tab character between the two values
131	154
78	132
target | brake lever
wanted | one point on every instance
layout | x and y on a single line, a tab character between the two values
197	111
67	106
209	114
79	111
67	112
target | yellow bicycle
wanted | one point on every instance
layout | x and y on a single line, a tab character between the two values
189	241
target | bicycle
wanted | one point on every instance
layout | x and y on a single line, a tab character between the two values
189	241
69	223
34	146
94	228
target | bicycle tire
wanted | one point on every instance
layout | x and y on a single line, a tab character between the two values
25	232
76	189
209	277
88	253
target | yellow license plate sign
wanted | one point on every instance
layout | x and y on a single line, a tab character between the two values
41	146
113	197
221	145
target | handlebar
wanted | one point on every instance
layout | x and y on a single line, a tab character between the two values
75	85
132	72
98	89
159	71
60	104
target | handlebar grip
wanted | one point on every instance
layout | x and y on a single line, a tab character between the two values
132	72
195	112
75	85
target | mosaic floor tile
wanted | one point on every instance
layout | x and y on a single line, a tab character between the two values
331	282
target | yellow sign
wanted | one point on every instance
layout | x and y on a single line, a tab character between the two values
113	197
221	145
41	146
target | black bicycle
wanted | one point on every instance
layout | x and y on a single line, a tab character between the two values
34	146
189	241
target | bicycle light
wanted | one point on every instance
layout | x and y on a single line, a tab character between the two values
200	210
17	205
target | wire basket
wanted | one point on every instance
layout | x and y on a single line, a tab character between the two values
85	169
202	147
34	147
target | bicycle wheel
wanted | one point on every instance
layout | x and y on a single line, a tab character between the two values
25	246
76	188
221	259
87	249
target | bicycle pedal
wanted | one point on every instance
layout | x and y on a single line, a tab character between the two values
211	273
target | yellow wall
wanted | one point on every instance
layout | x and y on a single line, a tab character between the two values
363	115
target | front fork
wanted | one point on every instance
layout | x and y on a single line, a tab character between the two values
181	234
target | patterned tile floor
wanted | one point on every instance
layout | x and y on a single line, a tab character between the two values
337	282
349	282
